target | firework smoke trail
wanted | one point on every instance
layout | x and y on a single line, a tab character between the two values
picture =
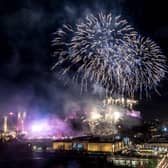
106	50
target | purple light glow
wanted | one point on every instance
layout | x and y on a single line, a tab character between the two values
134	114
11	113
49	127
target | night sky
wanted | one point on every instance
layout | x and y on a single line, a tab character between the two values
26	28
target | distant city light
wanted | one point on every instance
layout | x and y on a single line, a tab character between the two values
165	129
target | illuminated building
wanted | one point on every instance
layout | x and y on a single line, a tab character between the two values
160	147
105	147
121	101
67	146
89	146
131	161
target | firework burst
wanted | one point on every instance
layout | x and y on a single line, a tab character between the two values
106	50
146	66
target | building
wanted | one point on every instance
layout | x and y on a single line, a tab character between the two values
89	145
159	146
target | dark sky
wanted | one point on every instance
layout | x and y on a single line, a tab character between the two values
26	28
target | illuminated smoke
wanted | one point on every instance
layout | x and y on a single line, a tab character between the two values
102	119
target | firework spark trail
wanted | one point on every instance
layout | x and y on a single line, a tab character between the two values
102	120
95	41
106	50
147	64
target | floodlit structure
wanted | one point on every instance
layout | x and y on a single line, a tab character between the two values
88	145
128	103
21	121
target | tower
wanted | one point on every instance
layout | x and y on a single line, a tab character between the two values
21	121
5	124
